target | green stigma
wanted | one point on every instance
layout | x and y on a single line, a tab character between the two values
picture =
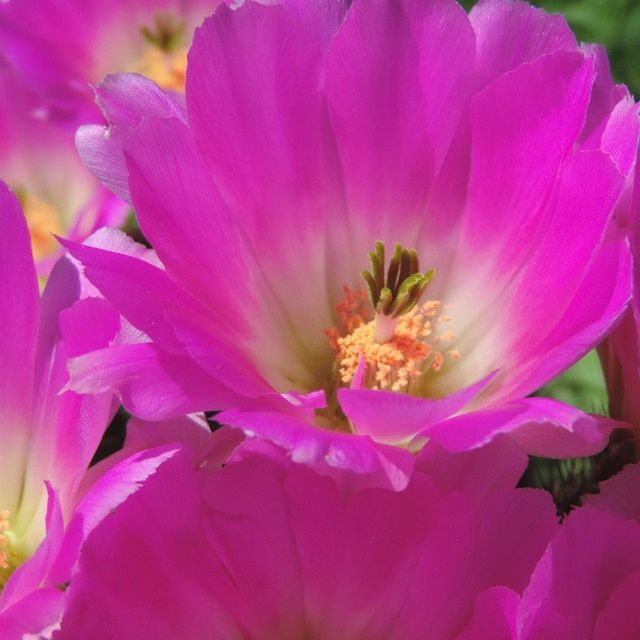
167	33
400	289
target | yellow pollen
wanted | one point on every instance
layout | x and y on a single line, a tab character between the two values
168	69
5	553
415	346
43	221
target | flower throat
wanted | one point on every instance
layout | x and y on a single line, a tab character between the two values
165	57
386	337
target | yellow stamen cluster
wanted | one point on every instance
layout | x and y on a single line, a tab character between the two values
415	347
165	56
168	69
8	558
4	540
353	311
43	221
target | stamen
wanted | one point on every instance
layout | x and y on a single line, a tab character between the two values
8	561
167	70
413	350
12	555
394	341
166	34
43	221
403	286
165	60
4	540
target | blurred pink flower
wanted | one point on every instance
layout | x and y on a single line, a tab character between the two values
491	143
51	52
48	437
62	47
39	161
263	548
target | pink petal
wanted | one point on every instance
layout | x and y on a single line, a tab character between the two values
153	384
398	76
524	125
169	176
510	33
477	473
593	554
32	574
19	315
597	304
126	99
494	616
327	451
396	418
542	427
253	90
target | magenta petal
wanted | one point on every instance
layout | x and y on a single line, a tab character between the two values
110	490
19	315
597	304
510	33
191	430
494	616
37	612
396	418
220	359
371	464
203	251
542	427
141	292
620	133
253	90
398	76
496	466
32	574
88	325
149	533
620	616
126	99
524	125
592	554
153	384
263	548
620	494
555	271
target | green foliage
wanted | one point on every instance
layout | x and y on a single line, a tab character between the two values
581	386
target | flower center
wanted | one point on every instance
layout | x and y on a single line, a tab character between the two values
43	220
391	341
165	58
9	558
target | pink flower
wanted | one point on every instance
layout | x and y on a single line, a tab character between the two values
48	437
51	52
263	548
492	144
39	161
61	47
586	584
620	353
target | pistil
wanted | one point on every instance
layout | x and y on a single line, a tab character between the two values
398	291
165	59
